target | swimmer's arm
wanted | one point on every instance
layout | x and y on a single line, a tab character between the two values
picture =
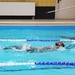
50	48
72	38
45	48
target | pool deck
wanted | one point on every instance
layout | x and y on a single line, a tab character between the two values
36	22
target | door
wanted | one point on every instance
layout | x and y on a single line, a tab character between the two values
65	9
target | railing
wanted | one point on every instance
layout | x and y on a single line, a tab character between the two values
61	9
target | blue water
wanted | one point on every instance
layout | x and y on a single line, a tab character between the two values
38	33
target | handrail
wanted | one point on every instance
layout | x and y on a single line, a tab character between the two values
61	9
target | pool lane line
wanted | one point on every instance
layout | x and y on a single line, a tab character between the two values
29	40
7	64
71	64
13	40
35	40
32	69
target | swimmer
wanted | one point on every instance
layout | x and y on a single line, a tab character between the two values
72	45
71	38
28	48
51	48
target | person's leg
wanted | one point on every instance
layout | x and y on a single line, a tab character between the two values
6	48
32	50
12	47
16	47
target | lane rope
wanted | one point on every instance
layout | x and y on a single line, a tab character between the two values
16	64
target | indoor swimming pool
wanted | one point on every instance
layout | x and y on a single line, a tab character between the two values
21	62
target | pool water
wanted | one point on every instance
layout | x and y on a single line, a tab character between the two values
36	36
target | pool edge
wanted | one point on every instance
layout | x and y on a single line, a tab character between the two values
37	22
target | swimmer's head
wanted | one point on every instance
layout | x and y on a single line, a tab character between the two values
60	44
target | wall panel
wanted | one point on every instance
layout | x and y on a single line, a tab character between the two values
38	2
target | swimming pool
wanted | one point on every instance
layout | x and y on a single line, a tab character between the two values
15	62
